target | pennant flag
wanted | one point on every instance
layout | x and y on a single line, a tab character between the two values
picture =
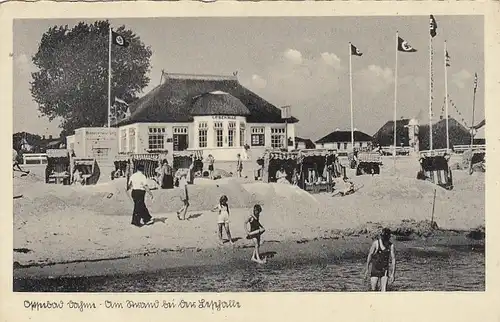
120	101
404	46
433	26
447	58
475	81
355	51
117	39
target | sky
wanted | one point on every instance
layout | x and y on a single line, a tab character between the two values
298	61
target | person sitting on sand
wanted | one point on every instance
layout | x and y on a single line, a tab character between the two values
223	219
254	233
281	175
139	185
183	185
77	177
348	187
380	257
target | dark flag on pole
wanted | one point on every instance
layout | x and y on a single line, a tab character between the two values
433	26
355	51
119	40
404	46
475	81
447	57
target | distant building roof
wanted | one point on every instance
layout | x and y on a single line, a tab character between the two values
181	95
458	134
308	142
345	136
385	135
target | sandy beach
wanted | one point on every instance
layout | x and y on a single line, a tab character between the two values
62	224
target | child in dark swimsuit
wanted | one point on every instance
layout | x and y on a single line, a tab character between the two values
256	230
380	257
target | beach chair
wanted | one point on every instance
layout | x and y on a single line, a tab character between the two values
58	167
88	168
435	168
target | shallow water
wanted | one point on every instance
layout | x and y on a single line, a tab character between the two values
446	269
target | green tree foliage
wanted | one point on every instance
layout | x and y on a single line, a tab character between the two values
72	81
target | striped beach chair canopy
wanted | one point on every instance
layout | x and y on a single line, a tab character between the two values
196	154
325	153
435	153
57	153
122	157
84	161
317	152
281	155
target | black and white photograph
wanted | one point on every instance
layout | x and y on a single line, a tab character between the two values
249	154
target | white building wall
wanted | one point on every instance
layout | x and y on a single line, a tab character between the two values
95	142
70	142
344	146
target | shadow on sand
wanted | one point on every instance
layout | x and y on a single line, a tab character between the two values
194	216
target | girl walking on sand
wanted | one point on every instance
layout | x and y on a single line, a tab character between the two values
223	219
184	196
254	233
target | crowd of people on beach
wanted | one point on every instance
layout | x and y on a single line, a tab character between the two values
380	264
138	184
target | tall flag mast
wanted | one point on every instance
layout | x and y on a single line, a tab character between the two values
473	110
403	46
353	51
116	39
446	65
432	34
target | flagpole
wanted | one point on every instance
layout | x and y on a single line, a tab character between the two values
350	87
395	96
109	77
446	97
430	92
473	112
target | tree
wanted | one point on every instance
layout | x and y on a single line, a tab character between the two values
34	140
72	81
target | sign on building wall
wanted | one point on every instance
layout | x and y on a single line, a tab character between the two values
224	117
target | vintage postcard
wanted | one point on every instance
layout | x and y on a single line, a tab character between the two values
213	154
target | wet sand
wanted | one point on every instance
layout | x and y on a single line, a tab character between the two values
295	252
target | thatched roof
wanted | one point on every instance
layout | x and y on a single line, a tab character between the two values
218	103
385	135
458	133
175	99
345	136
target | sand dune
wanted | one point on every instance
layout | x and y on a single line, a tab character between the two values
69	223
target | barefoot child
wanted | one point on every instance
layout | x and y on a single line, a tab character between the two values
223	219
256	230
184	196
